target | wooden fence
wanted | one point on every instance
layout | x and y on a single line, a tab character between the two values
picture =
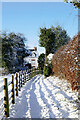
17	81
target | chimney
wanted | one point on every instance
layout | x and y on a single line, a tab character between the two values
35	48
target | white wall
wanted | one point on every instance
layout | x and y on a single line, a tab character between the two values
29	60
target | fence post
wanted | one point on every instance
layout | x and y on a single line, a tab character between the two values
6	101
35	71
21	78
13	99
16	84
27	75
38	70
31	73
24	76
19	81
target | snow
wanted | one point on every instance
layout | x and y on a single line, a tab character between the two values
50	56
2	92
45	98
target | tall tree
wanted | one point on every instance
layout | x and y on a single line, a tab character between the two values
13	50
61	37
53	38
47	38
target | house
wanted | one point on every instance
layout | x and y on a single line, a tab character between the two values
32	58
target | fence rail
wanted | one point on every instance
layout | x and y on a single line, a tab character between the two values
16	83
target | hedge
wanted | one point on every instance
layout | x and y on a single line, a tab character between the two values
66	62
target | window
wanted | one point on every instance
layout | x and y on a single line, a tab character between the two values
33	61
34	55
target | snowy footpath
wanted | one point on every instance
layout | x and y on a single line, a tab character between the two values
45	98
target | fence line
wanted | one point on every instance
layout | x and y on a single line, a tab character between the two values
6	101
13	97
20	79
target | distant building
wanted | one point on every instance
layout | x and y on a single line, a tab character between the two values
32	58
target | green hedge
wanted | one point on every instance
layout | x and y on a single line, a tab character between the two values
47	69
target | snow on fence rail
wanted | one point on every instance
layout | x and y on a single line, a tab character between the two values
12	85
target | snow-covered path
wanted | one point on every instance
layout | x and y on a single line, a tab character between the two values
45	98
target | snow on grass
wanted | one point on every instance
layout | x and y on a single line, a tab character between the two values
2	92
45	98
42	98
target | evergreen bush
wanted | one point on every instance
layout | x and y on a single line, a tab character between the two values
47	69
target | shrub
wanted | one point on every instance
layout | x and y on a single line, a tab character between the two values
66	60
47	69
41	60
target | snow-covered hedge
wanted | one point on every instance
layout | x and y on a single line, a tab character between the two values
65	62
